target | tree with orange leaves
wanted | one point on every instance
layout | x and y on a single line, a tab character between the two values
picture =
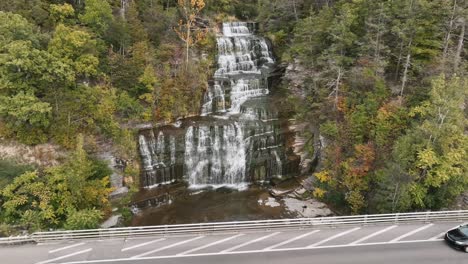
356	176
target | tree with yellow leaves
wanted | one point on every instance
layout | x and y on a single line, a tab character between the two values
187	29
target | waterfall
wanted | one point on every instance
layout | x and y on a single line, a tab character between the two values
145	153
237	139
160	148
242	59
173	150
215	155
279	165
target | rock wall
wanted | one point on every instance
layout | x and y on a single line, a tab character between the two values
43	155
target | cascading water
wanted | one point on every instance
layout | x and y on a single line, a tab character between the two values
244	61
238	138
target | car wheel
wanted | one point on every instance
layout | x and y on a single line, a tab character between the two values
466	249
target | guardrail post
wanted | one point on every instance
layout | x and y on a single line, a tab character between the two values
427	216
396	217
365	219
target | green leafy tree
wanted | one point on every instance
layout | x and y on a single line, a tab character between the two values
27	201
26	116
10	170
15	27
84	219
59	13
74	194
75	48
97	15
433	153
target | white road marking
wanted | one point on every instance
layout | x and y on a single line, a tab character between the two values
251	242
65	256
372	235
166	247
67	247
143	244
411	233
439	236
333	237
291	240
209	245
126	260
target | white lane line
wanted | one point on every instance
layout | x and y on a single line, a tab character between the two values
411	233
166	247
209	245
251	242
291	240
67	247
333	237
126	260
65	256
372	235
439	236
143	244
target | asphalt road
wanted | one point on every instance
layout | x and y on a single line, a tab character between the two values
427	253
381	244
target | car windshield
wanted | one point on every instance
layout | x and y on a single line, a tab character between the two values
464	230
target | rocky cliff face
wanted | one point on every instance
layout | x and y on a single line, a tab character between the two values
308	141
295	77
43	155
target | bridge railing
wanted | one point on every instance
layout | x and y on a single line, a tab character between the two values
241	226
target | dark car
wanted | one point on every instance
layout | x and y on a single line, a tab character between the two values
458	237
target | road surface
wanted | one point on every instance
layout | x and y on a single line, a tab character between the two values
381	244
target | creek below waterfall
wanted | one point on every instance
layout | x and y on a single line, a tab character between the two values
228	156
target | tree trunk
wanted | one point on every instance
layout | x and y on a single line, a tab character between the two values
56	103
377	44
123	4
460	45
295	10
449	32
405	72
337	87
187	45
397	71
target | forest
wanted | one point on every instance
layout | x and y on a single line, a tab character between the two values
382	84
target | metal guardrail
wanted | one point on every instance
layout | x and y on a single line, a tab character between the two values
219	227
15	240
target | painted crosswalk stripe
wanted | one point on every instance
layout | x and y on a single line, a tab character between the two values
166	247
291	240
211	244
65	256
67	247
372	235
439	236
250	242
411	233
143	244
333	237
